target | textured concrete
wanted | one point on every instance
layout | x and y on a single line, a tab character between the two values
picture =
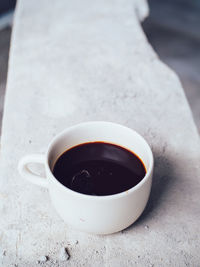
73	61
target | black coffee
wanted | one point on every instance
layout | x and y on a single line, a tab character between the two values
99	169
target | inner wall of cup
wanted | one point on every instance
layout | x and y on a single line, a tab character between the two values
94	132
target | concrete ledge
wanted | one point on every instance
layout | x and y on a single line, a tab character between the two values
74	61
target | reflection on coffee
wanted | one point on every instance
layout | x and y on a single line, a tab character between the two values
99	168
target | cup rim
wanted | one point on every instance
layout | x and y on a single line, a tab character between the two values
106	197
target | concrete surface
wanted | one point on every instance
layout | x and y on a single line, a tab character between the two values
91	61
176	45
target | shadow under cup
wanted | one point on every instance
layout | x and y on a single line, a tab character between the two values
99	214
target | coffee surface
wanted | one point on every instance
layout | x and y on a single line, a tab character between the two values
99	168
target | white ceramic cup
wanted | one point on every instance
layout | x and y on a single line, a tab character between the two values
94	214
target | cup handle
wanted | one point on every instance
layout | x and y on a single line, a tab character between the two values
28	174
